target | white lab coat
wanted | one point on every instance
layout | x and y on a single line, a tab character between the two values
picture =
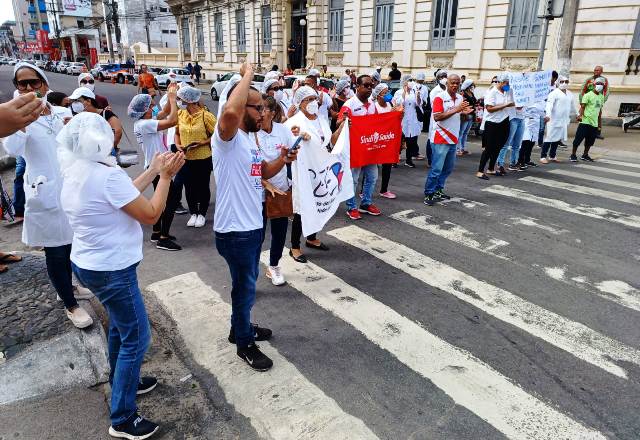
45	223
411	127
560	106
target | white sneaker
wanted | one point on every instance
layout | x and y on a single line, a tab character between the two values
275	274
79	317
544	160
192	220
200	221
82	292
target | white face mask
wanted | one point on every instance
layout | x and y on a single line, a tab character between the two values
599	87
89	86
563	86
77	107
278	95
181	105
312	108
442	81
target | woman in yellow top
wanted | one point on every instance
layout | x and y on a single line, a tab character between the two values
193	136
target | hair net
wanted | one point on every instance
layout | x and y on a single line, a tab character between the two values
302	93
439	73
224	96
272	74
342	85
87	136
502	77
405	78
466	84
139	106
85	75
268	83
600	80
563	78
375	75
377	90
22	64
83	92
314	72
189	94
420	76
345	78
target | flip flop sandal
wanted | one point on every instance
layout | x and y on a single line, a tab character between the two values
10	258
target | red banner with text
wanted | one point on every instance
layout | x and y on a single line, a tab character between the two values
375	139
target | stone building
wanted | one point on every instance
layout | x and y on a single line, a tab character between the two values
474	37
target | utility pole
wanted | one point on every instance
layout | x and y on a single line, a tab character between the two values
147	18
549	9
57	28
108	16
565	39
116	25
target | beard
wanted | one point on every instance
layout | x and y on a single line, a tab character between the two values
251	124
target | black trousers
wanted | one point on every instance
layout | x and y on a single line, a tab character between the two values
586	133
386	175
278	235
163	225
58	261
197	179
494	137
412	148
296	232
525	152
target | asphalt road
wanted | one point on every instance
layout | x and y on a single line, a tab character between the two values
510	312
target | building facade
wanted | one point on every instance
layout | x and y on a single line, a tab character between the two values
474	37
134	15
30	17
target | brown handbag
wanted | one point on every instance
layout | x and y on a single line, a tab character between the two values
279	205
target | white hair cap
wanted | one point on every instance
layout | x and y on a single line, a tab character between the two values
342	85
563	78
375	75
87	136
406	78
85	75
502	77
138	106
268	83
314	72
272	74
302	93
421	76
22	64
600	80
378	90
466	84
189	94
345	78
82	92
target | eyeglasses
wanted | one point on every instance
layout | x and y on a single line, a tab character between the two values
35	83
276	88
495	81
87	81
258	107
564	82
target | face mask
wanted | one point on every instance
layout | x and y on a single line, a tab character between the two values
388	97
411	85
77	107
312	108
599	87
278	95
89	86
442	81
181	105
563	86
506	88
154	111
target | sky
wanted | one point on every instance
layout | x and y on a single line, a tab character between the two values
6	11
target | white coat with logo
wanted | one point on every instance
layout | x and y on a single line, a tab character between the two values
560	106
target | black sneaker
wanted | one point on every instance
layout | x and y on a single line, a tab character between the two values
429	199
259	334
409	164
513	167
167	244
155	236
135	428
531	164
522	167
146	384
573	158
441	195
586	158
181	210
255	358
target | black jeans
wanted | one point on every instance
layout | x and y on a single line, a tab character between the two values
197	179
586	133
163	225
278	235
525	152
296	232
386	175
60	273
495	135
550	148
412	148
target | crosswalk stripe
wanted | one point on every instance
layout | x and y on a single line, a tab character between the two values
534	223
586	210
453	232
281	403
467	380
619	162
607	170
598	179
556	184
573	337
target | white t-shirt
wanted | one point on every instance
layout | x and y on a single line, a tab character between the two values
150	140
357	108
447	130
496	97
237	168
271	145
380	109
105	238
325	105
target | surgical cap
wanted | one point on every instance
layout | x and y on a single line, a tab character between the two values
268	83
466	84
439	73
600	80
405	78
87	136
139	106
563	78
420	76
502	77
375	75
314	72
82	92
22	64
84	75
377	90
342	85
302	93
272	74
345	78
189	94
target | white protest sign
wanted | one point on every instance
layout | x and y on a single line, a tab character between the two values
529	88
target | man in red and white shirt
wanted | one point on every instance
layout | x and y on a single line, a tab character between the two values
446	108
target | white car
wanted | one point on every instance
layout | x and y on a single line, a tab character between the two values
62	66
76	68
40	64
218	86
12	62
97	68
171	75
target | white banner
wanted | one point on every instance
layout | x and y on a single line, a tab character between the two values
529	88
76	8
321	181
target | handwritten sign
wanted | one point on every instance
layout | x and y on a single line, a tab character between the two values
529	88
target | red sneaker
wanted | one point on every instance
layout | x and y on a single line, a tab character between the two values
370	209
354	214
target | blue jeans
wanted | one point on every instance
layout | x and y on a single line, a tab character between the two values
129	333
18	187
444	158
516	131
241	250
465	128
369	184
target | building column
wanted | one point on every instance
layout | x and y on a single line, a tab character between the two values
75	49
208	41
315	33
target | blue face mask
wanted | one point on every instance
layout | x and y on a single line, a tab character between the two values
506	88
388	97
154	111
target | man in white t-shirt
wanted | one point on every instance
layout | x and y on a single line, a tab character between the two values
239	168
446	110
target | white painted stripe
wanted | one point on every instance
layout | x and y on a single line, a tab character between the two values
464	202
607	170
556	184
597	179
619	162
453	232
281	403
573	337
586	210
533	222
467	380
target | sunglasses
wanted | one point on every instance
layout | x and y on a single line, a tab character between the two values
87	81
258	107
495	81
276	88
564	82
35	83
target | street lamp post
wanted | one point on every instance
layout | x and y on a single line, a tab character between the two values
258	32
303	24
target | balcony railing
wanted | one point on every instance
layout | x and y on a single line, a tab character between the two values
633	62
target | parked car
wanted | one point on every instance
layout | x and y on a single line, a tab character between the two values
40	63
76	68
173	74
326	83
118	71
218	86
152	70
62	66
12	62
99	67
